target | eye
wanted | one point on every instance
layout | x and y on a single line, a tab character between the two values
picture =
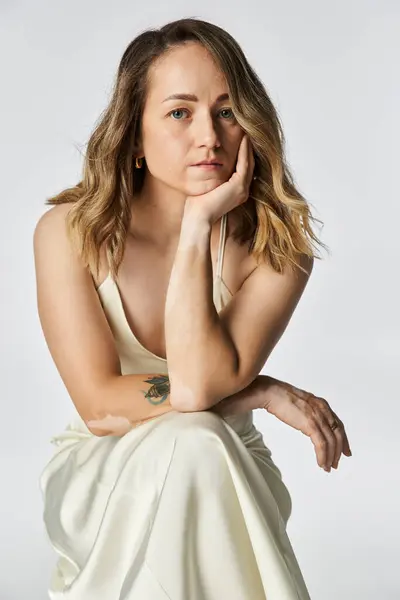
228	110
177	110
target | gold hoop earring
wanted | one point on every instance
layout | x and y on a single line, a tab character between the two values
139	163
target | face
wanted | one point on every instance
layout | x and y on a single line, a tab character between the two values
177	133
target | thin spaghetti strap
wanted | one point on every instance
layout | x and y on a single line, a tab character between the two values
221	247
108	266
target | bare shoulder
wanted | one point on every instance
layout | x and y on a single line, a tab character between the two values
291	275
52	245
54	217
50	233
240	264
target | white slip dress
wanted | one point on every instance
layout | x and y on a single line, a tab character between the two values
188	506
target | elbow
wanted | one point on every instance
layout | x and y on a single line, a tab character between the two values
99	418
184	398
95	422
194	402
109	425
185	405
96	432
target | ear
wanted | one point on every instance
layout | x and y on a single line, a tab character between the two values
137	149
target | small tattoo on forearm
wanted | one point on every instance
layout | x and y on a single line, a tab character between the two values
160	387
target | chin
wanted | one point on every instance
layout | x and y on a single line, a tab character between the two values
202	187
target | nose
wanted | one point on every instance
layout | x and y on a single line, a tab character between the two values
206	133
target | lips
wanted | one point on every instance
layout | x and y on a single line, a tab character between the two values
208	162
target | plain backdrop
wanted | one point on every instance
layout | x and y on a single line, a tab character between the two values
331	69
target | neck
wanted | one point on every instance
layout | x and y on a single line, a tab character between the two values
157	213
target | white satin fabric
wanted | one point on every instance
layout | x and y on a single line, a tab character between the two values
188	506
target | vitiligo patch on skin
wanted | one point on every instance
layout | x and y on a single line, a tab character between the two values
118	425
173	292
190	238
190	235
185	393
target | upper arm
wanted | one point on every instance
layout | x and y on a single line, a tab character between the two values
259	313
73	321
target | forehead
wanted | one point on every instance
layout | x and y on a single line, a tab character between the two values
186	69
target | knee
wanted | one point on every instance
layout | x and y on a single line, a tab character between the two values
201	425
200	441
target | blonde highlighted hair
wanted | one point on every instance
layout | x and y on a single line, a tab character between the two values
276	219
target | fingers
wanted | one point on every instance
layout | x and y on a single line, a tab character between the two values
242	158
334	438
251	162
338	438
320	444
328	447
346	446
329	444
245	162
335	444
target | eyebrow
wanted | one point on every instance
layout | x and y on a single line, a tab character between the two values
193	98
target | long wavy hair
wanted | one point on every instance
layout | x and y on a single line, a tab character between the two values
276	219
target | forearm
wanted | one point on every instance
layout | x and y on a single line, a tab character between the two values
250	398
197	345
126	401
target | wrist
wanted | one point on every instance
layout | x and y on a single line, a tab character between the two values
195	228
194	211
262	387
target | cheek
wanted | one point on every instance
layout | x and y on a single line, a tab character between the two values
167	155
166	141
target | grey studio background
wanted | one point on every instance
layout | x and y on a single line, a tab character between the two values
332	71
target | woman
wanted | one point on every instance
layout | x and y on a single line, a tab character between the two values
161	487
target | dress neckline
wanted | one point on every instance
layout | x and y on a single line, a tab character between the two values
110	281
127	327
